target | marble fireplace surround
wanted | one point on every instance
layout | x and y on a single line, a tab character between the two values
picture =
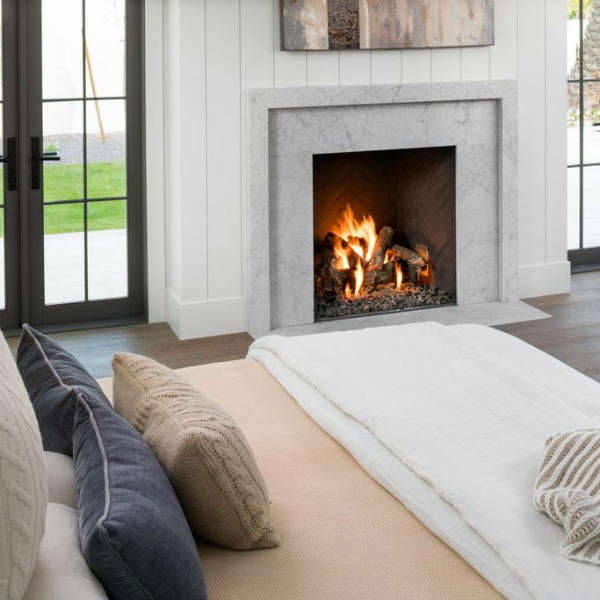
285	127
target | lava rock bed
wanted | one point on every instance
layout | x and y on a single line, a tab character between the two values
384	299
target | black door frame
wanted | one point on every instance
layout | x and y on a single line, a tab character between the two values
24	214
12	218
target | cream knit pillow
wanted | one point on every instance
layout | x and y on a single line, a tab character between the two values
23	496
567	489
202	451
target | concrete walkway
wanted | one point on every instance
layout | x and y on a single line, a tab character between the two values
64	266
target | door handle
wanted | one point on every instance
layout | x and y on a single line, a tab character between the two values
37	157
11	162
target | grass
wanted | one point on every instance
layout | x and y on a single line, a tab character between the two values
65	182
68	218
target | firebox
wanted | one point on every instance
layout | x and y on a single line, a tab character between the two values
384	231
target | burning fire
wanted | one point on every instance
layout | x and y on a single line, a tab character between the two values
398	276
363	254
360	236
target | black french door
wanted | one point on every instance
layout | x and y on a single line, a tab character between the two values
71	206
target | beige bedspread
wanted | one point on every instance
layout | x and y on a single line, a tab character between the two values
344	537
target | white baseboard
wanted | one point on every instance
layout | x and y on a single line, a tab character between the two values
203	319
218	317
545	279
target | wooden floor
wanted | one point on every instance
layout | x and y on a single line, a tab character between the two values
95	347
572	335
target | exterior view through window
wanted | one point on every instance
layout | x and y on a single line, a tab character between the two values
583	130
71	222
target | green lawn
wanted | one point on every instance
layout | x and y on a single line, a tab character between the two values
68	218
65	182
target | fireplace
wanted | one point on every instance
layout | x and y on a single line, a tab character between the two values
474	123
384	231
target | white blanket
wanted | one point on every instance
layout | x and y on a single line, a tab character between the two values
453	421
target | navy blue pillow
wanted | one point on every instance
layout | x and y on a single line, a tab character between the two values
133	533
50	373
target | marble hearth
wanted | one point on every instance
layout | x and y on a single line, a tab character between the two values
286	127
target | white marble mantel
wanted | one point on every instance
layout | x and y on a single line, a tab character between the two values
286	126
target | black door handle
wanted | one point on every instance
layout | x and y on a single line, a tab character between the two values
11	161
36	161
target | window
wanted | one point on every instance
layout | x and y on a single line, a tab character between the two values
583	131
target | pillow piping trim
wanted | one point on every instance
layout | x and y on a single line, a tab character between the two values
102	519
27	329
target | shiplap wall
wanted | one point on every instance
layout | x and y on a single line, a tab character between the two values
214	49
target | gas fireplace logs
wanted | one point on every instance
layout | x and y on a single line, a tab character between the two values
358	271
382	268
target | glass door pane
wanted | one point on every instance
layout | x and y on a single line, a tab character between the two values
84	124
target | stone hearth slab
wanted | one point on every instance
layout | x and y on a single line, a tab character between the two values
486	313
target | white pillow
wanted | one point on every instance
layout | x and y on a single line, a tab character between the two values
61	573
61	478
22	481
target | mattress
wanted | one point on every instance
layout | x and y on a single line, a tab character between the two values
343	536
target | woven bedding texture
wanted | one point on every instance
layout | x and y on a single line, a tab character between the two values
343	537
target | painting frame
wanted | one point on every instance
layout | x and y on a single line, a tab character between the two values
385	24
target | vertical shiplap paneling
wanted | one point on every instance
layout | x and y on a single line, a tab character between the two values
416	66
504	54
290	67
154	65
257	38
386	66
355	67
257	71
173	209
323	67
556	132
445	64
532	131
475	63
224	144
189	91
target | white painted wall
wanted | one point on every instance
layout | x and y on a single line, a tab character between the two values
214	49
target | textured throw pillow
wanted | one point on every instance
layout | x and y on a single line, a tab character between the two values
50	373
60	572
133	533
22	482
567	489
202	450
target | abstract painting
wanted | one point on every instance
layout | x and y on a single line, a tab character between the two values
385	24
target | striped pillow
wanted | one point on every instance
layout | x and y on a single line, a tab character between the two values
567	489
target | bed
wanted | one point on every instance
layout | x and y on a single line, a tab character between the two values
343	534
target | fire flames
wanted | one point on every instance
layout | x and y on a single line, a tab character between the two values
360	269
398	276
359	237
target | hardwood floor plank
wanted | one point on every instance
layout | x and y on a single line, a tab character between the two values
571	335
95	347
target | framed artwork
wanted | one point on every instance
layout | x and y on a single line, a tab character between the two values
385	24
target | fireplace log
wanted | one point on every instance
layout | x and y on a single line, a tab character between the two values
428	273
335	240
413	261
360	243
332	280
384	239
373	278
